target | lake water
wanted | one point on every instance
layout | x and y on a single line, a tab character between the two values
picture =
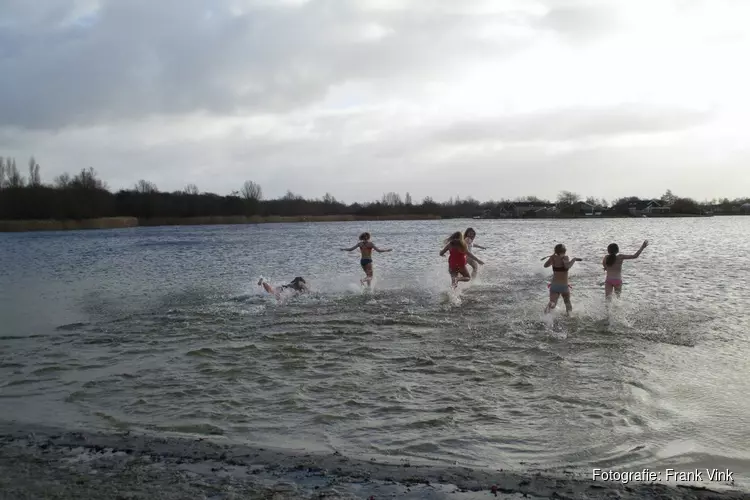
165	330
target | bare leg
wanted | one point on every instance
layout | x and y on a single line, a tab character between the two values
474	268
553	296
368	275
268	288
464	275
608	291
618	290
568	305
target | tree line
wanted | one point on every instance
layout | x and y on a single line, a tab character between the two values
84	196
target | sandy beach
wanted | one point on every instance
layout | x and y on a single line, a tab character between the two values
45	463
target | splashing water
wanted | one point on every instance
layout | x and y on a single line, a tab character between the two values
109	329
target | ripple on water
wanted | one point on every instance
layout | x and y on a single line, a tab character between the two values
190	345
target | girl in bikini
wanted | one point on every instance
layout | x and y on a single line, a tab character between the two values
459	253
469	236
560	265
366	247
612	264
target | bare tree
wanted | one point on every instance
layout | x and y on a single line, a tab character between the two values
87	179
290	196
531	199
34	178
592	201
2	172
145	187
668	198
329	199
392	199
252	191
568	198
15	179
62	181
191	189
408	199
566	201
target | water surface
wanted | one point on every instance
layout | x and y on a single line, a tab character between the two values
164	330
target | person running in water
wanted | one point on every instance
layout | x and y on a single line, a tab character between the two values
298	284
469	236
366	247
560	265
612	264
459	254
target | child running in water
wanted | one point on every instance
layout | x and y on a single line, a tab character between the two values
612	264
459	254
560	265
366	247
298	284
469	236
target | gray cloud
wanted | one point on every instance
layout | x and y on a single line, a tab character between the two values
331	97
142	58
573	124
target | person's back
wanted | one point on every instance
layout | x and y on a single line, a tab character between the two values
365	247
614	270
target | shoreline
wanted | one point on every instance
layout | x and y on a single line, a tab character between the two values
14	226
44	462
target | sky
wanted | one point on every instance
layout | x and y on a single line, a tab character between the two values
490	99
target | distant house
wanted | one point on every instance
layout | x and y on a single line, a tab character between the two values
502	211
656	207
647	207
523	208
583	208
546	212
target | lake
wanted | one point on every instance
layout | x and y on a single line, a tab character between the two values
164	330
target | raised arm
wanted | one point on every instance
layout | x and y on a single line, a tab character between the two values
636	254
474	257
477	245
569	262
549	261
383	250
445	249
350	249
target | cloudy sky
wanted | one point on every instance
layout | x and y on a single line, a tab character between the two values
482	98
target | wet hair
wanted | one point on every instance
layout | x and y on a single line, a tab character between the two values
612	250
296	283
469	231
364	236
559	249
457	240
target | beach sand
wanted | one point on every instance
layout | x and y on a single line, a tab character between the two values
45	463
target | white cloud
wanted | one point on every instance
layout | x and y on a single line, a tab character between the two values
484	98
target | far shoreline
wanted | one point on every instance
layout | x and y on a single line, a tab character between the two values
15	226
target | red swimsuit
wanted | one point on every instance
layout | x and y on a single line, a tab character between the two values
456	259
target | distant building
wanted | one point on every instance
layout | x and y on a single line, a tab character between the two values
647	207
523	208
